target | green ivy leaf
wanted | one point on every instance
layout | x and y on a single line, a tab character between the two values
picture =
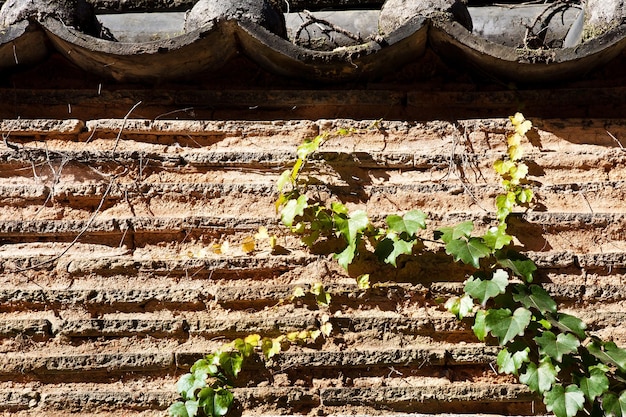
414	221
206	399
568	323
339	208
463	229
222	402
596	384
204	367
188	384
468	251
485	289
292	209
310	239
178	409
231	363
192	408
246	349
185	384
519	264
448	234
321	295
539	378
613	405
410	223
564	402
323	220
505	326
352	226
496	237
510	363
479	327
557	346
397	247
460	306
536	298
608	353
346	256
384	248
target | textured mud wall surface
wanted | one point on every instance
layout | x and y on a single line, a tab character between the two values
111	284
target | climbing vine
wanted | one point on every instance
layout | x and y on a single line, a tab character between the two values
550	351
207	389
315	220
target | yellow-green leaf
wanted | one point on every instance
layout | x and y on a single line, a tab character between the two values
363	281
516	152
460	306
321	296
514	140
326	328
252	339
248	245
283	180
298	292
292	209
503	167
270	347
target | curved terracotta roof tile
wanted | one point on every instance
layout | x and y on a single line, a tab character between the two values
262	12
257	29
22	43
366	60
455	42
207	48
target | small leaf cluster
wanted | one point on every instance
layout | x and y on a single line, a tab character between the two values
314	221
318	290
513	171
207	389
357	234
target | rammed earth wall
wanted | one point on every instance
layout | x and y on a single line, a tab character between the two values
112	284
